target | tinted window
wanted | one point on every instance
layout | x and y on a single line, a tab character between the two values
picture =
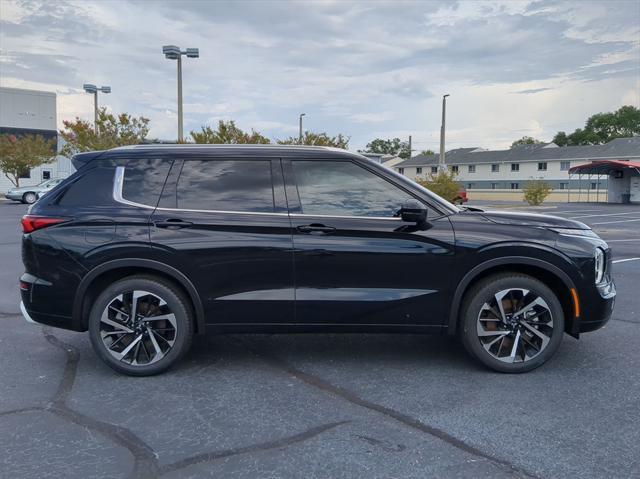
94	188
144	179
237	185
342	188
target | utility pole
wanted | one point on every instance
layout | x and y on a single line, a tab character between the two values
409	147
89	88
172	52
441	165
300	133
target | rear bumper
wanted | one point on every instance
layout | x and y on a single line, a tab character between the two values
37	304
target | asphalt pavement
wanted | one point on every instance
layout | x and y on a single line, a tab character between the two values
324	405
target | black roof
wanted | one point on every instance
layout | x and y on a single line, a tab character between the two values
621	148
203	151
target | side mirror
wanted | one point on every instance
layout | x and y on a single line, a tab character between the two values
413	212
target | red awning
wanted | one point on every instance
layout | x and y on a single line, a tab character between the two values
604	167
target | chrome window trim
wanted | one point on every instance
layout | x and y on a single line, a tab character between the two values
304	215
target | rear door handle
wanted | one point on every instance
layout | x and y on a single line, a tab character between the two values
173	224
316	228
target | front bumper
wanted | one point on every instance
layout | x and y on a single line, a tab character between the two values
14	196
598	307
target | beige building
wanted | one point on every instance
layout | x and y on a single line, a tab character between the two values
501	174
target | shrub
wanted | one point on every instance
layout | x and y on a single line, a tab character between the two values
442	184
536	191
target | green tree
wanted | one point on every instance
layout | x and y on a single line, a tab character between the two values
525	140
113	131
318	139
228	133
20	154
603	127
393	146
536	191
443	184
427	152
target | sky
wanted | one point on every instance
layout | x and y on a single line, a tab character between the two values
375	69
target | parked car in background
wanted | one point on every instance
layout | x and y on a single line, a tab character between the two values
145	246
30	194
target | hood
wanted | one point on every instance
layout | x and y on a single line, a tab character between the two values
531	219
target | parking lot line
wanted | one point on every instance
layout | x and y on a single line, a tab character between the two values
625	260
606	214
574	211
611	222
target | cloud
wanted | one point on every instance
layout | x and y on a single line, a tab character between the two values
349	65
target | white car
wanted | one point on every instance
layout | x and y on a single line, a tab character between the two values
30	194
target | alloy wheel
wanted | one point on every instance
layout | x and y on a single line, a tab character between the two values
515	325
138	328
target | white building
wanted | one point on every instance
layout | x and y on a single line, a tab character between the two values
501	174
31	112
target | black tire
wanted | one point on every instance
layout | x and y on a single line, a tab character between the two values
478	302
176	304
29	198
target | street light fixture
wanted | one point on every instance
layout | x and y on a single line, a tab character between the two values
441	163
300	133
90	88
172	52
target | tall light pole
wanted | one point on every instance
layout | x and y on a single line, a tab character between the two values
89	88
300	133
441	165
172	52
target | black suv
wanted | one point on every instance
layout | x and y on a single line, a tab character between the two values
145	246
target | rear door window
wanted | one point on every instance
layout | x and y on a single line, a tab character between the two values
226	185
144	180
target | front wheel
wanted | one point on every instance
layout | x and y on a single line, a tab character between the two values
29	198
512	323
141	325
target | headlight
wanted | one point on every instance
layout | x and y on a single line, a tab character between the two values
599	265
574	232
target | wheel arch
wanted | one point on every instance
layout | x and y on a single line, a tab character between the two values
121	268
554	277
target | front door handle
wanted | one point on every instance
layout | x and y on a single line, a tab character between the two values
316	228
172	224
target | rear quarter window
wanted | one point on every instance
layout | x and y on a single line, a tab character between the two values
93	188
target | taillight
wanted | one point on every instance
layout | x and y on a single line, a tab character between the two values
32	223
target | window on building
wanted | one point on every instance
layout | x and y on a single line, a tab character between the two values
564	165
454	168
542	166
594	185
515	166
46	175
495	168
494	186
343	188
26	173
401	171
471	186
227	185
564	186
418	171
472	168
434	170
515	186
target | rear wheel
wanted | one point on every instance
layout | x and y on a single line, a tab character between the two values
29	198
141	325
512	323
